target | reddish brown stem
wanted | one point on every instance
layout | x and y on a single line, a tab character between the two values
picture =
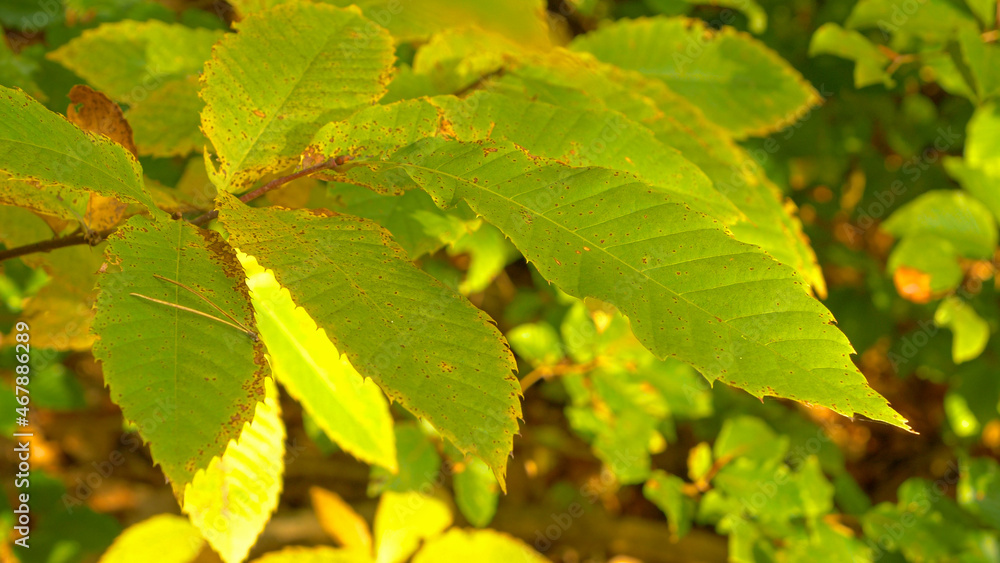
53	244
96	238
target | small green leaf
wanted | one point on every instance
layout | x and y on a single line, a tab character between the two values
971	332
931	255
985	10
351	410
751	438
870	63
960	417
476	492
979	488
489	253
949	214
722	72
983	60
482	546
699	461
982	147
232	499
128	60
260	117
172	538
756	16
418	467
188	382
979	171
418	225
403	520
666	491
933	19
537	343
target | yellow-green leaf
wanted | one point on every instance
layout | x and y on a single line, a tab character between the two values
260	116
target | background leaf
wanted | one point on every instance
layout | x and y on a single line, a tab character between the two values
721	72
44	149
483	545
402	520
172	538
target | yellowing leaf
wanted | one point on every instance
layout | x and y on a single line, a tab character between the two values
351	410
482	546
232	499
970	332
172	538
128	60
315	555
402	520
869	62
61	313
340	521
523	21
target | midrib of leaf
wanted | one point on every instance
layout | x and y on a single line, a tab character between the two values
606	251
177	324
